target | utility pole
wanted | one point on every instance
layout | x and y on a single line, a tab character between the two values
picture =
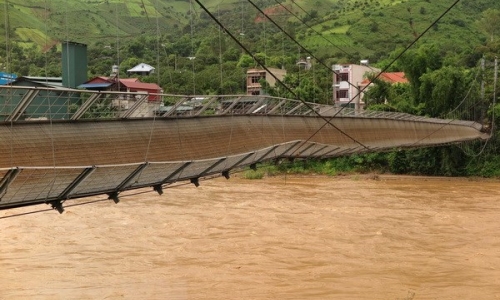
494	93
7	40
334	87
482	80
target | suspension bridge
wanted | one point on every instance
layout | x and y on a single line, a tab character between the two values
60	144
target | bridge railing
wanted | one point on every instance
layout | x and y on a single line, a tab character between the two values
41	103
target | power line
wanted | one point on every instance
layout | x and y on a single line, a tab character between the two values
308	14
145	11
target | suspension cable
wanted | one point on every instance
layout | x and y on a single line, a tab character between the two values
276	78
158	36
494	94
389	65
220	55
293	39
316	32
466	95
145	11
301	8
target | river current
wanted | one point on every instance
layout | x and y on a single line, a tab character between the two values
348	237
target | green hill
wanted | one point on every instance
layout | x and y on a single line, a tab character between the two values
44	22
365	26
332	30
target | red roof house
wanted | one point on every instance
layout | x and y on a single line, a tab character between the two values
136	86
391	77
124	85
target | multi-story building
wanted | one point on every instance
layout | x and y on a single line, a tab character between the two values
254	76
347	84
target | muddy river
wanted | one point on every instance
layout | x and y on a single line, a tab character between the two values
351	237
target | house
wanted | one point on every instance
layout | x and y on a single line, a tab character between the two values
35	81
305	63
134	85
346	84
141	69
254	76
394	77
6	78
152	89
53	101
390	77
149	94
99	83
350	83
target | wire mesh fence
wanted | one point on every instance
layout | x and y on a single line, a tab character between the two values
47	104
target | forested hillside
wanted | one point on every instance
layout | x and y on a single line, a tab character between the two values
438	44
164	33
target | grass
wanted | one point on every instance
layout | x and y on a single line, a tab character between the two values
136	10
339	40
32	35
251	174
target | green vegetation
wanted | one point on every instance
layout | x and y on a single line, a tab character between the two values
369	163
253	174
164	34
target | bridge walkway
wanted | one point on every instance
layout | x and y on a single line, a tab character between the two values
62	144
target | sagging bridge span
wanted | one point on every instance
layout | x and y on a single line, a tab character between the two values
60	144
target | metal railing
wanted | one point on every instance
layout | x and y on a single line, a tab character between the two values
43	104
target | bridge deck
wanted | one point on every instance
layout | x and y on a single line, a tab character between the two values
95	149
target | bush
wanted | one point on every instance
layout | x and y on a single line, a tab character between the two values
251	174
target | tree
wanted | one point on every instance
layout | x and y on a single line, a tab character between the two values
444	89
246	61
489	22
378	91
416	63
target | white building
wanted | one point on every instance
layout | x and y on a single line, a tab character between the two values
348	83
141	69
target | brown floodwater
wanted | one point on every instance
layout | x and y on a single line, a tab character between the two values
351	237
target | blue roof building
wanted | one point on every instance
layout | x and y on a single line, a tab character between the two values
6	78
